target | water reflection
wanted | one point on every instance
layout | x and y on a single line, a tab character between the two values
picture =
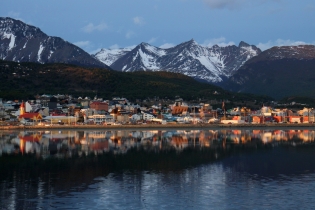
66	143
157	169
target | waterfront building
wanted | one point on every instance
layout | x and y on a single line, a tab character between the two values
26	116
179	107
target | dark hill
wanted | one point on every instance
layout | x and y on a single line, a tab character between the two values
19	80
278	72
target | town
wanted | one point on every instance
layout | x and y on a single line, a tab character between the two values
50	110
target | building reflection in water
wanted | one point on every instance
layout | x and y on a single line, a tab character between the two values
66	143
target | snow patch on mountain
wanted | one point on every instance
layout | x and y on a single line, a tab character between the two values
41	48
148	61
109	56
155	50
10	36
250	50
50	53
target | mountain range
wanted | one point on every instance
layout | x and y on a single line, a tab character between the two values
21	42
210	64
277	72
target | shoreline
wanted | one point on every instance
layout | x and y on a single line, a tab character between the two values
159	126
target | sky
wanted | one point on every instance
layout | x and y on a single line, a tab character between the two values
96	24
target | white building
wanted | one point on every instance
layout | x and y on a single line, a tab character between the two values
101	119
136	117
147	116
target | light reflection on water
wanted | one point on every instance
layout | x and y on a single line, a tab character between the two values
65	143
206	187
279	177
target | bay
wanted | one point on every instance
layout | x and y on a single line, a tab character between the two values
157	169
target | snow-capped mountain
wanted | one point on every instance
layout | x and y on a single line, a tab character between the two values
25	43
109	56
142	57
211	64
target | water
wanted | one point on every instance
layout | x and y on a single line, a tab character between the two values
196	169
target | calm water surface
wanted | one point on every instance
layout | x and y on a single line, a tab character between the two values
197	169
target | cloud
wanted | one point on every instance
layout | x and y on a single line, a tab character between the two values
89	28
167	45
129	34
138	21
87	46
281	42
83	44
152	40
16	15
221	41
93	52
130	47
233	4
114	46
224	4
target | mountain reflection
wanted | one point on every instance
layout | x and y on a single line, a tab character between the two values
66	143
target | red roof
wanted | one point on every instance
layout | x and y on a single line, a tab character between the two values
34	116
98	102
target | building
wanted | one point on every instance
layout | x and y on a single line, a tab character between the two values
99	106
24	116
52	104
147	116
101	119
179	107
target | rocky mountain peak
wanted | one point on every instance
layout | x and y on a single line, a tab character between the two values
189	58
25	43
243	44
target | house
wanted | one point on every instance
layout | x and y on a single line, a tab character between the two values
295	119
308	114
85	103
31	117
235	111
120	100
99	106
123	116
136	117
43	111
179	107
131	108
147	116
101	119
24	116
52	104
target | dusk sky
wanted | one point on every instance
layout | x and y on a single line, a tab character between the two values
97	24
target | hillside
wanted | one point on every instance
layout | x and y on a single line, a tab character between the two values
23	80
278	72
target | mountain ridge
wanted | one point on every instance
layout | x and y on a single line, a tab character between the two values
278	72
210	64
